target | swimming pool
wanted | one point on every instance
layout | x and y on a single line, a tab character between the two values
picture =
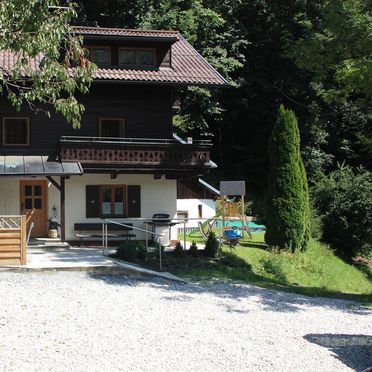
253	225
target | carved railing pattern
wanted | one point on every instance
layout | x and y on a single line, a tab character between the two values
166	157
10	222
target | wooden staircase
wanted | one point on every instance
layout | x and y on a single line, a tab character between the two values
12	240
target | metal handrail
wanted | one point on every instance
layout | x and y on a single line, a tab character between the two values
134	141
105	238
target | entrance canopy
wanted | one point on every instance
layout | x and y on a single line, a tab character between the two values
37	165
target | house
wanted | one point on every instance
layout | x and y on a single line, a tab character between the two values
196	199
123	162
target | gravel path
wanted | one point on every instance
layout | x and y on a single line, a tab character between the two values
70	321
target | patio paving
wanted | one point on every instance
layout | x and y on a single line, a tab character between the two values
83	259
69	258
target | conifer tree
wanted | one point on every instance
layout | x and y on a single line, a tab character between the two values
287	198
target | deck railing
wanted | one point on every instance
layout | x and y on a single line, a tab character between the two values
143	153
13	240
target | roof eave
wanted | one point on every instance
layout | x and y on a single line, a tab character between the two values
159	39
154	82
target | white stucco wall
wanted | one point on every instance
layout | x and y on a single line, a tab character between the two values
191	206
10	192
157	196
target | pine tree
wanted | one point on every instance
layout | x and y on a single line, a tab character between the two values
287	208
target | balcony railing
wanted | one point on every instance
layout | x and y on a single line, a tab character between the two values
139	153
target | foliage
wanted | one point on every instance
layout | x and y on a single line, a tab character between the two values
287	210
194	249
178	250
316	223
344	200
53	224
335	47
39	34
127	250
141	251
111	13
211	245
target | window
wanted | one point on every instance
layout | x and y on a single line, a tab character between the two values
16	131
183	215
145	57
136	57
99	55
127	57
200	211
111	128
113	200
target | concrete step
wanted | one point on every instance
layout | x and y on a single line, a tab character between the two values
47	243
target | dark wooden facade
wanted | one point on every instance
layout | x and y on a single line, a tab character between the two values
146	110
191	188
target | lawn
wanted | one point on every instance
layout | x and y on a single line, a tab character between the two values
316	272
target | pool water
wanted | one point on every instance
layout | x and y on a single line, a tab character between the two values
238	224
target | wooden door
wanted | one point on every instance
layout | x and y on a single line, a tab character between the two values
33	203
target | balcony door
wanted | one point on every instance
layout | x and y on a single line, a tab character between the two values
33	203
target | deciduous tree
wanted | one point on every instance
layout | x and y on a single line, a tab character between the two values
48	66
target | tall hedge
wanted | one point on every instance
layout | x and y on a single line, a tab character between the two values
287	210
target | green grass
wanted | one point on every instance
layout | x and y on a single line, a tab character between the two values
315	272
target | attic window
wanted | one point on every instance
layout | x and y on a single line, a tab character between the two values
136	57
99	55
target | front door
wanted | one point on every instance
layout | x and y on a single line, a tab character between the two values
33	199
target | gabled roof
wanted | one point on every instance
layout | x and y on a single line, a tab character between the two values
188	66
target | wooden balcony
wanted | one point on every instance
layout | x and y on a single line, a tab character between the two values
137	154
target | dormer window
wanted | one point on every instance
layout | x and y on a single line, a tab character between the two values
99	55
137	57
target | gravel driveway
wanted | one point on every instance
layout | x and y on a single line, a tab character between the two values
70	321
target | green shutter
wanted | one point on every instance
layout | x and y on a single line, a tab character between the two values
134	201
92	201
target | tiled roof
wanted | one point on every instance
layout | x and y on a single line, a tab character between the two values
188	66
124	32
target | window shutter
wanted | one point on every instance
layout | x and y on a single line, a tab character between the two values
92	201
134	201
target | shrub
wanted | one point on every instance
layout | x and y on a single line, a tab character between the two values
178	250
287	209
194	250
127	250
211	246
141	251
272	266
344	199
316	223
153	253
